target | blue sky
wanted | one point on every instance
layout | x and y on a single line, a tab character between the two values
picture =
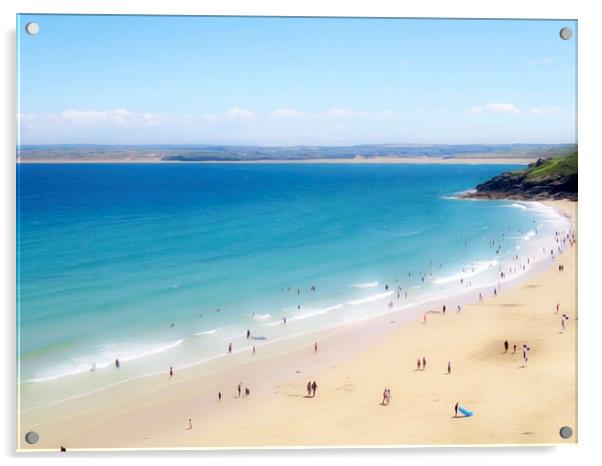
289	81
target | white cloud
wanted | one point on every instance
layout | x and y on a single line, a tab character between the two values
495	107
341	112
241	114
286	113
540	61
210	118
545	111
120	118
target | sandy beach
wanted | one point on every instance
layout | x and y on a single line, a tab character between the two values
513	403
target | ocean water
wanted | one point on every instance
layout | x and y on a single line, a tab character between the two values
162	265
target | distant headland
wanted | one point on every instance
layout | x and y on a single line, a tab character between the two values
551	178
367	153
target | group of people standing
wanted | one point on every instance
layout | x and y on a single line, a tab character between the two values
311	389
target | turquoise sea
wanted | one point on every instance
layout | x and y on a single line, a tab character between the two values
166	264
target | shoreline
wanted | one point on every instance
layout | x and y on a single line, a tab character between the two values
344	161
175	393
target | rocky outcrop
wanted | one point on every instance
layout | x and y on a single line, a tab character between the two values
544	179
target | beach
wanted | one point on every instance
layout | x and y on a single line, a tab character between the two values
512	403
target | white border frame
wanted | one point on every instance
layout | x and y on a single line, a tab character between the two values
589	103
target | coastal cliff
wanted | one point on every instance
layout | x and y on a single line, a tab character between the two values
552	178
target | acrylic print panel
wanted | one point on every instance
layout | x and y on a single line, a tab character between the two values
273	232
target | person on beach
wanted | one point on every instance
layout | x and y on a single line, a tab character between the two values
189	424
425	317
384	397
494	292
448	367
525	355
309	389
314	387
418	364
513	349
459	309
315	347
117	363
171	372
480	298
247	391
248	333
253	349
456	409
284	319
230	348
239	389
423	363
506	346
557	308
444	309
219	396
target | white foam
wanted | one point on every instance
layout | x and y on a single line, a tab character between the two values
371	298
365	285
206	332
261	316
315	312
516	205
467	272
104	357
530	234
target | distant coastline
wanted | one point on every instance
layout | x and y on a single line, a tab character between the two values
356	154
355	160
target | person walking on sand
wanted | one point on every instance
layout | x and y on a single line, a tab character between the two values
418	364
248	333
117	363
230	348
247	391
456	409
309	389
425	317
189	424
315	347
314	387
423	363
448	367
239	389
384	397
171	372
219	396
253	349
506	346
557	308
444	309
